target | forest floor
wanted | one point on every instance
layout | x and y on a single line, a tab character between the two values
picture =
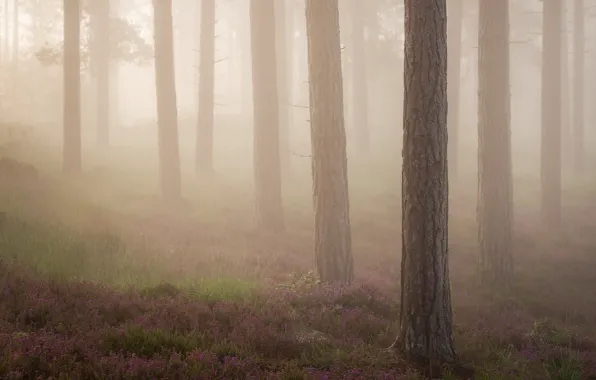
98	282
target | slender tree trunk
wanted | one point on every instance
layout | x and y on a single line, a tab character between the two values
550	165
425	334
282	82
290	70
102	41
578	85
72	87
6	29
454	35
167	112
204	143
495	181
333	242
566	124
360	80
15	39
267	164
246	61
114	86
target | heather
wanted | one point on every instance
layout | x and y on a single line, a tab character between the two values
100	281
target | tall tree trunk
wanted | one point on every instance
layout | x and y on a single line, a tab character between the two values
15	40
282	82
550	163
114	78
102	41
578	85
244	31
167	112
454	36
495	180
360	80
426	318
267	164
72	87
6	29
333	242
204	143
566	125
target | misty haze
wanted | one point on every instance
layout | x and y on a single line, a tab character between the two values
298	189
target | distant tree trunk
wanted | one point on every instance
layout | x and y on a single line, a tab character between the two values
282	82
454	36
550	164
167	112
6	29
114	87
267	164
425	334
245	63
102	40
360	80
578	85
72	87
15	36
495	181
333	242
204	143
566	125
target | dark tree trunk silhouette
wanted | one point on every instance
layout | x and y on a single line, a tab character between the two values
454	37
282	82
550	164
102	41
333	242
578	85
495	182
359	78
167	113
72	87
204	143
267	165
425	334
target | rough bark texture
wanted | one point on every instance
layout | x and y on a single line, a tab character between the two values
167	113
550	164
282	82
578	85
426	318
103	72
454	41
333	242
266	115
495	182
72	87
204	143
359	78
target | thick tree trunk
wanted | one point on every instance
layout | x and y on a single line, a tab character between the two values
204	143
333	242
266	115
72	87
550	164
282	82
495	182
167	113
426	318
454	37
360	81
578	85
102	41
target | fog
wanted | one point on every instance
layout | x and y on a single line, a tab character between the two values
110	223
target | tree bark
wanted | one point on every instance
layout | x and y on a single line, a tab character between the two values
167	113
333	242
72	87
360	83
425	334
495	181
550	163
267	165
578	85
454	41
102	41
204	143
